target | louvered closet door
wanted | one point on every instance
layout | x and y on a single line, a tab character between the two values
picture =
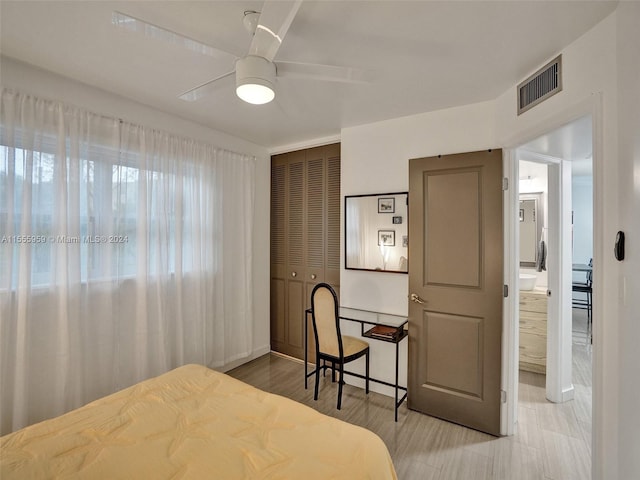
278	250
314	222
315	229
296	261
287	252
305	238
332	232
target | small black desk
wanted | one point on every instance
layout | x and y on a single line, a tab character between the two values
367	320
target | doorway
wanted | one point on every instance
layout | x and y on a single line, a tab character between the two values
567	385
533	221
567	216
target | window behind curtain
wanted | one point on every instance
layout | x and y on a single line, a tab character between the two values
108	198
124	251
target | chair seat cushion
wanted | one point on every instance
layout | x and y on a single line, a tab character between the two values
352	345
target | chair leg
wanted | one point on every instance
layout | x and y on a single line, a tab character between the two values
333	372
589	316
315	392
366	374
340	382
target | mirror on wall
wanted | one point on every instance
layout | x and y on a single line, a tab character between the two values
531	224
376	232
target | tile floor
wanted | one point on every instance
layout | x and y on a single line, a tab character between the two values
553	441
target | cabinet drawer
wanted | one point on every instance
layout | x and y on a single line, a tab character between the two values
533	302
533	350
533	322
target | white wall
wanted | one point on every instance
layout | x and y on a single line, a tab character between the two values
598	67
628	189
582	205
589	86
379	153
28	79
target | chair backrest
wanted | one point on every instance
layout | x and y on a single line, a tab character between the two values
326	322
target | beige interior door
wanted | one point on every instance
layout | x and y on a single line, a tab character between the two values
456	288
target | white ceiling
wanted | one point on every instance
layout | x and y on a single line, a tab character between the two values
572	141
426	55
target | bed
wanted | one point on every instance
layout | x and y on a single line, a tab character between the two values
194	423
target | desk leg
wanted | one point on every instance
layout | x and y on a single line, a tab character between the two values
396	382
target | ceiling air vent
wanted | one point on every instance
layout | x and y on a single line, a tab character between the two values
541	85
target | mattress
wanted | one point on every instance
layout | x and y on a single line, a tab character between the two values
194	423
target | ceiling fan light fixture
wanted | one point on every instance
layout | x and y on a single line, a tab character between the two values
255	93
255	79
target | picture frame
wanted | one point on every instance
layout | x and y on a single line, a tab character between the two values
397	220
387	205
405	241
386	238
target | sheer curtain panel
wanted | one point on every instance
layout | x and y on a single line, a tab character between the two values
124	252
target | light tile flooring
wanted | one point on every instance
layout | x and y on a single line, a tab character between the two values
553	440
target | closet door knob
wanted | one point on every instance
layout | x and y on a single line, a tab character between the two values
313	276
294	274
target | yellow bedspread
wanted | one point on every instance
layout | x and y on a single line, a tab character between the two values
194	423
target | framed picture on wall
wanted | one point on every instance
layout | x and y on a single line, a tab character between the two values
387	238
386	205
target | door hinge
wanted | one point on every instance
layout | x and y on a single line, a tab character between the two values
503	396
505	291
505	183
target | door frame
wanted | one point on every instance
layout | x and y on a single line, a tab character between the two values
558	378
592	106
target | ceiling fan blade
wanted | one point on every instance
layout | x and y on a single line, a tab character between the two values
329	73
273	24
147	29
204	89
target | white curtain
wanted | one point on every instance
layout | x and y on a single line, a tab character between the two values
124	252
354	232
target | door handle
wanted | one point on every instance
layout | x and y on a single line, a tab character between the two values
416	298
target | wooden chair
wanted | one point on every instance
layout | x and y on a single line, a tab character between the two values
587	302
331	345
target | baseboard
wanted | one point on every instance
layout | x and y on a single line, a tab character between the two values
241	361
568	394
289	357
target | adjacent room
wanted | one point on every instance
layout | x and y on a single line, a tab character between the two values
311	239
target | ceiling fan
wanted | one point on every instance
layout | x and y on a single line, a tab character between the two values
256	72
